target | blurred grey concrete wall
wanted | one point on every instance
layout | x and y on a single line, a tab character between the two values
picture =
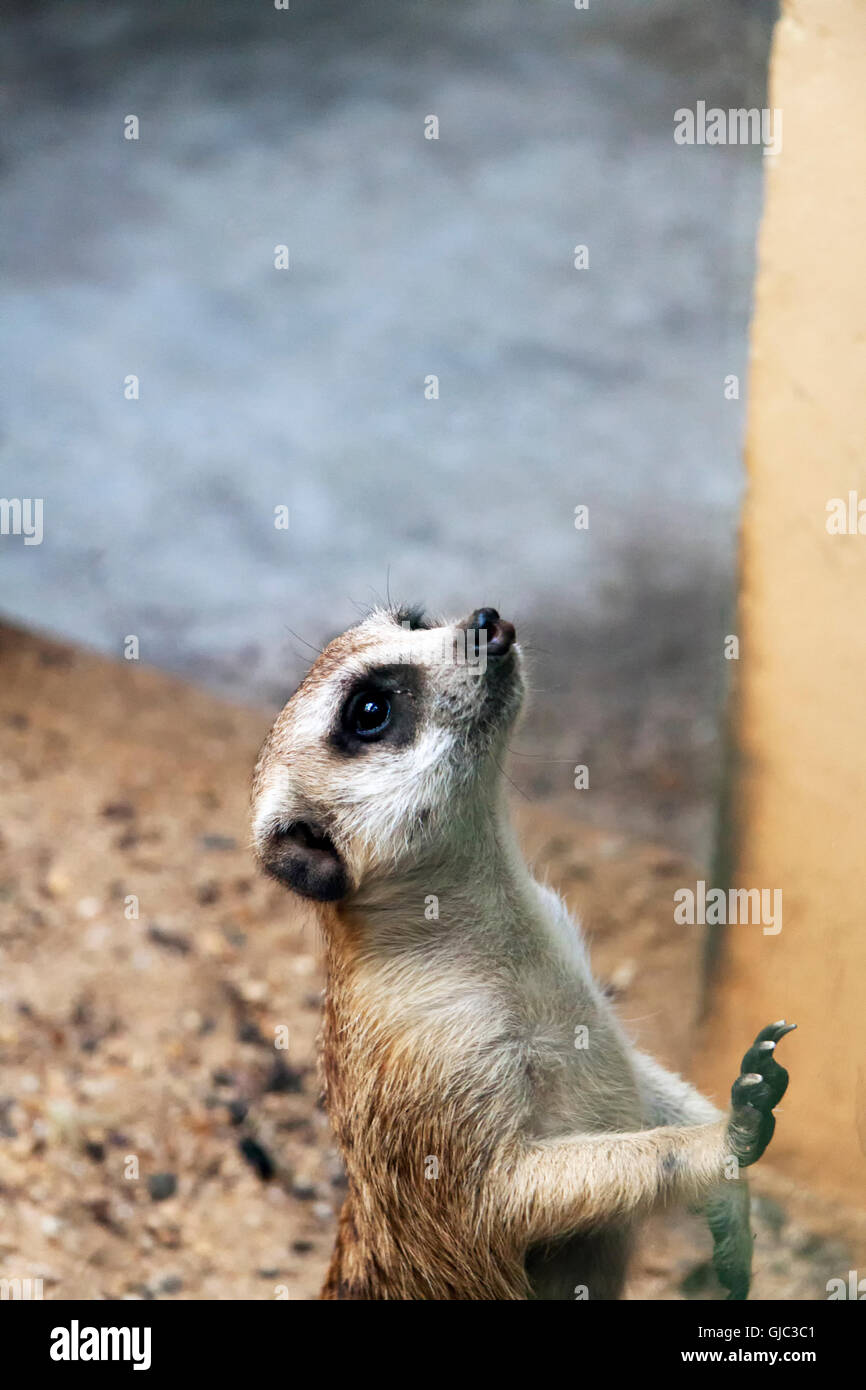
408	257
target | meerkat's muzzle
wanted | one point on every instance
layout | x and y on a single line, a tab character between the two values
500	634
495	694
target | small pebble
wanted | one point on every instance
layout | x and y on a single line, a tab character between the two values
237	1111
258	1158
283	1079
162	1185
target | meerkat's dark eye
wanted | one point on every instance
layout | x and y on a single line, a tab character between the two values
382	706
368	714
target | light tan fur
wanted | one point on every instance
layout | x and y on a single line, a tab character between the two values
488	1156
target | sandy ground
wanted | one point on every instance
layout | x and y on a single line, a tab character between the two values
154	1143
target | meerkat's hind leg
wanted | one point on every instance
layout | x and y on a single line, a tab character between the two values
728	1216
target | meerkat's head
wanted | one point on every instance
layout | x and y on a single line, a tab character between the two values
391	742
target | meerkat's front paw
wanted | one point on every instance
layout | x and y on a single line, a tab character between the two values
755	1094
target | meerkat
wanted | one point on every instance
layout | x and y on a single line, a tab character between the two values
487	1156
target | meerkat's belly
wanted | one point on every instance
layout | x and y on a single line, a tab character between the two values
587	1092
582	1081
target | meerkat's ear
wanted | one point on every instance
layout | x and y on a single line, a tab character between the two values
306	860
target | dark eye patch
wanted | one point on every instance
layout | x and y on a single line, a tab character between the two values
381	707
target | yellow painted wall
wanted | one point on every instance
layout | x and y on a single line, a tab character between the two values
799	792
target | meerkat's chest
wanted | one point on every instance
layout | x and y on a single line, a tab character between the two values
576	1070
534	1049
549	1051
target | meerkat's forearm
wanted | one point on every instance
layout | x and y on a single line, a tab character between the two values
561	1185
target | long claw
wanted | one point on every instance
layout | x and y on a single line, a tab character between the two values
774	1031
758	1055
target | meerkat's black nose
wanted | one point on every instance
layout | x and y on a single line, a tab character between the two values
500	633
484	619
